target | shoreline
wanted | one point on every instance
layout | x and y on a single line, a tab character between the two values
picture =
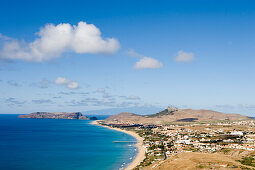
140	156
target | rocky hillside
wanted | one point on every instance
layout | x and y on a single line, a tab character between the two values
175	115
56	115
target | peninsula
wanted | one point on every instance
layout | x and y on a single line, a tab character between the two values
57	115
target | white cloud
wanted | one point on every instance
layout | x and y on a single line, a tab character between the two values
132	53
184	57
148	63
72	85
56	39
68	83
100	90
61	80
3	37
144	62
133	98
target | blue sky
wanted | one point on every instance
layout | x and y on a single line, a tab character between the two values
190	54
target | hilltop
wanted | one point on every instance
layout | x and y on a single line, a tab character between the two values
172	114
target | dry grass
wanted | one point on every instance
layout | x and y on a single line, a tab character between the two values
192	160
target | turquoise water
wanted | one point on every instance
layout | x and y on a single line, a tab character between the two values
48	144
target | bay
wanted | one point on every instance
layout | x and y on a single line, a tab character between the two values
40	144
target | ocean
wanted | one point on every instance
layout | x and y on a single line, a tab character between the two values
49	144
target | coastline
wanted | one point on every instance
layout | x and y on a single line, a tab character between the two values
140	156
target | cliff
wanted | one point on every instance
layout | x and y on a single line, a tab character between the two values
56	115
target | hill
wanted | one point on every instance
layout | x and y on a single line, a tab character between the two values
175	115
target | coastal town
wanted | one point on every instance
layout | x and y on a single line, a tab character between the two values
127	85
180	138
232	141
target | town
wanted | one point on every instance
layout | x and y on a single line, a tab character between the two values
166	141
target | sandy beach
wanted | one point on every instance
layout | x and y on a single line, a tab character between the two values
141	150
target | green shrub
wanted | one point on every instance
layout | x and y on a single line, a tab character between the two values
248	161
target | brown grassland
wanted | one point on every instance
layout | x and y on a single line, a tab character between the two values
195	160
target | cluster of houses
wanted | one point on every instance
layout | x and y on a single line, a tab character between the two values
169	140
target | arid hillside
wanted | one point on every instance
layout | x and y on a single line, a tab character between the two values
175	115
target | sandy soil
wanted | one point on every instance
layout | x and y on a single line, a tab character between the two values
139	145
195	160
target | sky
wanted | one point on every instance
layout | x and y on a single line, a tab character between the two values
93	55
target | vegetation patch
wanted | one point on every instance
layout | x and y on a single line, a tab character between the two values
249	160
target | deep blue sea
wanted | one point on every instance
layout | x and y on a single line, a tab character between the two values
49	144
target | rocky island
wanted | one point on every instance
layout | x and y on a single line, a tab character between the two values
57	115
